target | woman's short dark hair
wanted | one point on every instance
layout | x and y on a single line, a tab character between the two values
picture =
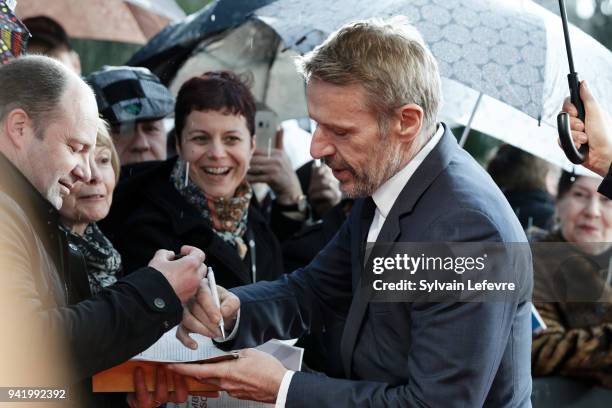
214	91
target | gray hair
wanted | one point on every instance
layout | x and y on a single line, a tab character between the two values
32	83
390	60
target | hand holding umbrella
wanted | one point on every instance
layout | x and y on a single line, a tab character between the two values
595	129
563	120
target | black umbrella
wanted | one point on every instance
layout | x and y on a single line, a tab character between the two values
165	53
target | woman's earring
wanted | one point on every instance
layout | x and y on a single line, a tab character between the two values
186	174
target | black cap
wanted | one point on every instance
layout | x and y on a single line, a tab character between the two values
130	94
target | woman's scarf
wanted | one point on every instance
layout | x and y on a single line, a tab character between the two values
102	259
227	217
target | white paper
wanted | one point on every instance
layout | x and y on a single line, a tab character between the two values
224	401
288	355
168	349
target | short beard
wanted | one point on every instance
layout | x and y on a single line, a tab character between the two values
385	161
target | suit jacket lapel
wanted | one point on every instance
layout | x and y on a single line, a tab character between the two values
426	173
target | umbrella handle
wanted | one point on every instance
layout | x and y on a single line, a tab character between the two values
576	156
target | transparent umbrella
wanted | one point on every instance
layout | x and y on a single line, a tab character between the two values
253	49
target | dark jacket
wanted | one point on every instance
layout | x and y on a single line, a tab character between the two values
322	342
304	245
148	214
42	283
605	187
403	354
534	208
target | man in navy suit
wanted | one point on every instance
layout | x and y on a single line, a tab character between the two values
374	90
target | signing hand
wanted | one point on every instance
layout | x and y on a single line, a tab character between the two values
202	316
254	376
597	133
185	274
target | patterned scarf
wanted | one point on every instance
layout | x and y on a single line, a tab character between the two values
102	259
227	217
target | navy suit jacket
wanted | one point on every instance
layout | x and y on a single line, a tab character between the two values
406	354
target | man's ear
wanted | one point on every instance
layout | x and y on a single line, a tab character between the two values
17	125
410	122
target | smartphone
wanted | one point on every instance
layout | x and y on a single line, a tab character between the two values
266	122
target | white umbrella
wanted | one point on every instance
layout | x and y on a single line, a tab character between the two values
510	51
508	124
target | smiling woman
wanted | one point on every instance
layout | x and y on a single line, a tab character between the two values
202	197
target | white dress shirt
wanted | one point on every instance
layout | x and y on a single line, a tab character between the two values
384	198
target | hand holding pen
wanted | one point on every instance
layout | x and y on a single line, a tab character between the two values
205	315
212	285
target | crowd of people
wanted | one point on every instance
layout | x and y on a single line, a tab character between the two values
98	197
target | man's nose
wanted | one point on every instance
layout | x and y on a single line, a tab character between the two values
140	141
320	146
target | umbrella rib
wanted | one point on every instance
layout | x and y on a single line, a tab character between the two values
466	131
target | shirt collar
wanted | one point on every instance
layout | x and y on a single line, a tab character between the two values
384	197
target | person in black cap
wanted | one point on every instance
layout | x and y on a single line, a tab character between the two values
134	102
49	38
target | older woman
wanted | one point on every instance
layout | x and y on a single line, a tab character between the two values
572	287
201	198
87	204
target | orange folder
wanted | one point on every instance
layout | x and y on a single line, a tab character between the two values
121	377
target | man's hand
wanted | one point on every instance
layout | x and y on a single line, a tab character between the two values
597	133
202	316
324	190
185	274
277	172
255	375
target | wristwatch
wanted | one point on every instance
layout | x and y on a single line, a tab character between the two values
301	205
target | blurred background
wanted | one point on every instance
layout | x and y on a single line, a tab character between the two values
592	16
